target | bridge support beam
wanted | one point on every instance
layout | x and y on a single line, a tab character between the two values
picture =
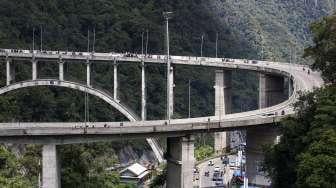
61	70
170	93
88	73
34	70
271	90
8	72
115	81
290	87
143	92
256	138
50	167
223	104
180	162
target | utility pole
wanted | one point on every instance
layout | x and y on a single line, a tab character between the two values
216	44
202	38
167	16
41	36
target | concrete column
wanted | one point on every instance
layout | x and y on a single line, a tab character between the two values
171	92
143	92
223	105
88	73
8	72
61	70
271	90
34	69
256	138
115	81
50	167
290	87
180	162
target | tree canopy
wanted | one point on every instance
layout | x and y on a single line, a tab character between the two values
306	154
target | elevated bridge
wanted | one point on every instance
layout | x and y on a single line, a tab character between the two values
274	105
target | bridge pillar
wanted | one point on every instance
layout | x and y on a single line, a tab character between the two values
256	138
223	104
34	69
115	81
271	90
143	92
171	91
290	87
8	72
180	162
50	167
88	73
61	70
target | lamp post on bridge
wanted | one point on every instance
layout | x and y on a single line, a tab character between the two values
216	44
33	39
202	39
167	16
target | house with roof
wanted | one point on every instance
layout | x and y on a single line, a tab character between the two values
136	174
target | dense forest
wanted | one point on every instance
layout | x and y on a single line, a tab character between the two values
118	26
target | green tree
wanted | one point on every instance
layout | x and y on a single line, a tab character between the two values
323	52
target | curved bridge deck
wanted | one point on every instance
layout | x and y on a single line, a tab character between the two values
79	131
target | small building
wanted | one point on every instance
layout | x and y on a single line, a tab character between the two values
136	174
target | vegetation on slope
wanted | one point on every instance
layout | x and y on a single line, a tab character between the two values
118	25
306	154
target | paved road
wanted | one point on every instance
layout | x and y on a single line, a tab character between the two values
206	181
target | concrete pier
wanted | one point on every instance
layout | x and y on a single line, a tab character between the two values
143	92
34	69
223	105
171	92
61	70
115	81
256	138
180	162
8	72
271	90
88	73
51	177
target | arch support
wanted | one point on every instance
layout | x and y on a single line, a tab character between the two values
143	92
61	70
88	73
34	69
8	72
115	81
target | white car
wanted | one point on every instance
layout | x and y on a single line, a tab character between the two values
217	169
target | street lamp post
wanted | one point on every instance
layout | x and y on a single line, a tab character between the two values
167	16
94	39
202	38
142	43
41	37
88	40
33	39
189	99
146	41
216	44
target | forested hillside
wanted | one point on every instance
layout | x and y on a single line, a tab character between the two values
119	25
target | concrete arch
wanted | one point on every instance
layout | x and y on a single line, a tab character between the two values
90	90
